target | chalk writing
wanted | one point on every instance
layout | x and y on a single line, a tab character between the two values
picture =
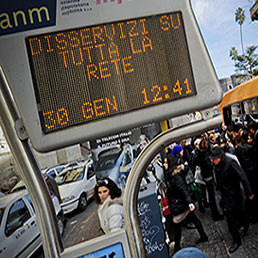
143	208
150	231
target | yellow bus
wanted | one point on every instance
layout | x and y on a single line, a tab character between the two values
240	102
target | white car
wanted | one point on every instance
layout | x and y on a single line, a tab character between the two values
54	171
76	186
19	230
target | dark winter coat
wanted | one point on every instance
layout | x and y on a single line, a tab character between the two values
244	155
187	153
179	195
255	148
203	161
228	177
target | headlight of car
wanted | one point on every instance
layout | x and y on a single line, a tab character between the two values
68	198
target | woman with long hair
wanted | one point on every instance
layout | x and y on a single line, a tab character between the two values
181	203
110	210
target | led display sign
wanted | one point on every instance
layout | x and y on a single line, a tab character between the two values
91	73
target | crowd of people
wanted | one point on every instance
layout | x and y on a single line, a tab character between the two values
217	169
219	166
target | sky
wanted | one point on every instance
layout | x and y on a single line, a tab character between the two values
216	19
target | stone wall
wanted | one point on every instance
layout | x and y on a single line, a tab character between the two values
9	173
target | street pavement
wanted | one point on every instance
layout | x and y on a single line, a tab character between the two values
219	239
217	247
84	226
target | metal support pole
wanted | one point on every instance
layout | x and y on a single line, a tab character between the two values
31	174
140	166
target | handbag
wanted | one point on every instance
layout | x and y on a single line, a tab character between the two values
189	178
165	206
198	176
180	217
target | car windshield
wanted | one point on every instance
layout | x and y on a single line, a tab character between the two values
1	214
70	175
59	169
52	172
107	162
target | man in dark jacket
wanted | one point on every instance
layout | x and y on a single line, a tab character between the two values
244	153
228	177
253	129
203	161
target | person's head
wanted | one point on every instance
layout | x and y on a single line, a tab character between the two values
216	154
178	150
238	140
223	127
252	126
143	141
212	138
244	136
230	130
205	135
189	252
250	139
197	143
222	142
170	162
165	163
204	145
105	188
240	131
183	143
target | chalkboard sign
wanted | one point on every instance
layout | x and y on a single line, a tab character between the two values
150	222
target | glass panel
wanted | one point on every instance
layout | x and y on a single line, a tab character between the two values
17	216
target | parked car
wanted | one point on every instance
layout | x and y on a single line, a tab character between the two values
76	186
19	230
115	162
54	171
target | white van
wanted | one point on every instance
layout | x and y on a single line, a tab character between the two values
19	230
76	186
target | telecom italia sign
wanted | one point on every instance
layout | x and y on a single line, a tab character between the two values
23	15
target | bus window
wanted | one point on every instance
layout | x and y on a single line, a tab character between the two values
240	102
227	115
236	110
251	106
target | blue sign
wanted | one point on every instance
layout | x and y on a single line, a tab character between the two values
23	15
113	251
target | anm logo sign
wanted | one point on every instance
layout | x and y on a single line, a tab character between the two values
22	15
